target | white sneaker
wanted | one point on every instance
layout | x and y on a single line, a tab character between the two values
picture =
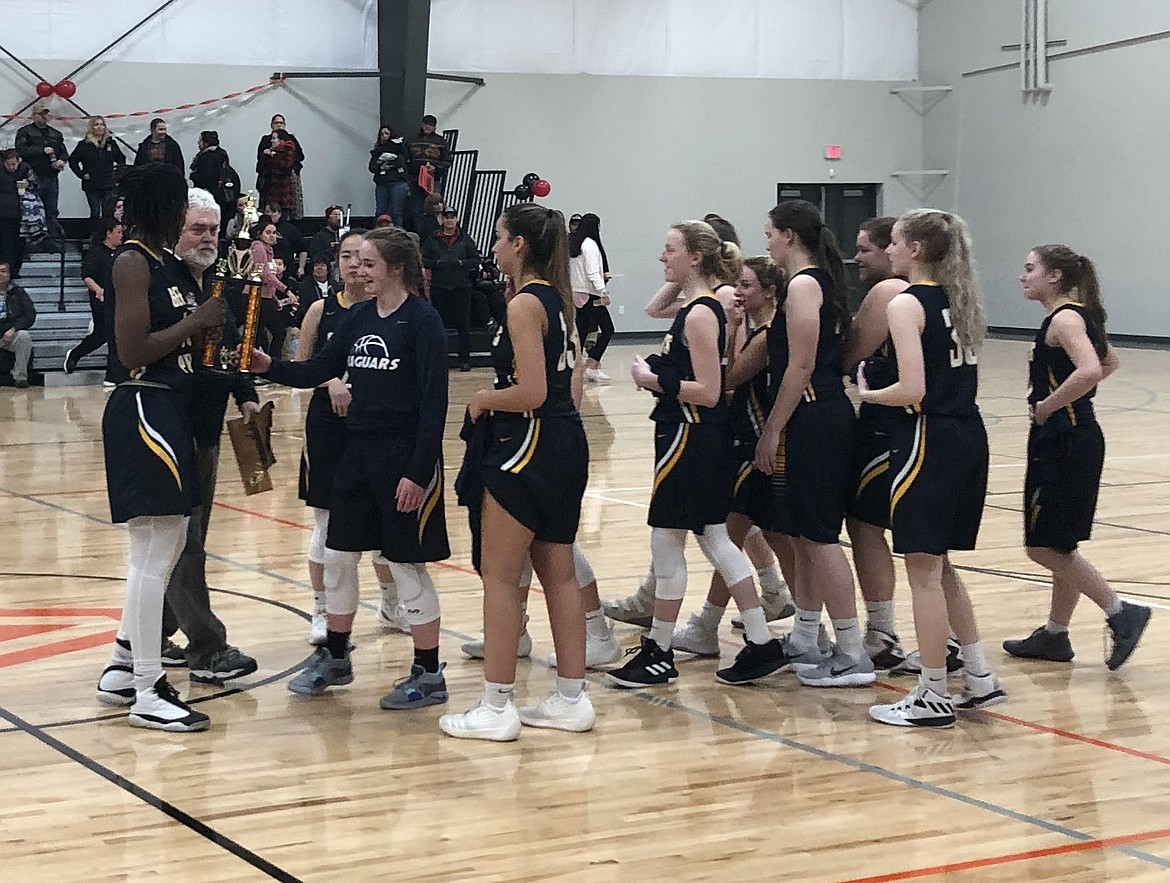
116	685
637	609
980	691
559	712
474	649
596	375
483	722
695	638
921	707
777	606
393	618
599	652
160	708
318	628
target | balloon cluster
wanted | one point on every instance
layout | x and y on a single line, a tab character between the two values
533	185
66	89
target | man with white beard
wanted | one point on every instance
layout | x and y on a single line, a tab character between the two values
209	657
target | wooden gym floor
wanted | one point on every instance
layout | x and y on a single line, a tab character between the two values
1069	781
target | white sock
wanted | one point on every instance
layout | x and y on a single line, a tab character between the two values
934	679
755	625
1055	628
389	593
880	615
848	635
122	651
804	630
661	632
1114	608
319	603
596	625
771	580
570	688
975	660
710	616
496	696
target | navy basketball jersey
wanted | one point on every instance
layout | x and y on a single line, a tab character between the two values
828	369
333	313
170	298
952	375
749	402
560	354
677	353
1049	366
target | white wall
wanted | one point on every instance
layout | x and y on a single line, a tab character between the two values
645	152
1088	167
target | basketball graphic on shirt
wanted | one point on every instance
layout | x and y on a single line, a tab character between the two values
370	351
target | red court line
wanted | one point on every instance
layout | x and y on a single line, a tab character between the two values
1056	731
56	648
74	493
114	613
1009	858
297	524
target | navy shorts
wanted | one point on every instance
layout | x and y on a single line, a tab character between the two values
869	500
325	440
1061	484
694	473
149	453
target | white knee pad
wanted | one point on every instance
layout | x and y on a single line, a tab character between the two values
381	560
317	539
526	573
417	592
581	567
731	562
341	582
669	561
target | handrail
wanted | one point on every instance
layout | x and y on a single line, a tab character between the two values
61	278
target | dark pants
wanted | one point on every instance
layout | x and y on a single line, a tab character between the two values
390	199
96	338
11	245
97	200
454	305
271	321
50	191
590	318
418	198
188	601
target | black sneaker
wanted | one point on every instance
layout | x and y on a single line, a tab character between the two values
70	362
225	665
753	662
1126	628
1042	644
173	656
651	667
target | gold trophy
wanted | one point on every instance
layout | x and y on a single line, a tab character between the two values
239	269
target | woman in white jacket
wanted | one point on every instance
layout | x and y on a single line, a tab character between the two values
589	271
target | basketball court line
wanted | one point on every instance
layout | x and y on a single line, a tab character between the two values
150	799
727	723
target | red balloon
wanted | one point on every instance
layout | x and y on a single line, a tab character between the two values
44	90
66	88
541	188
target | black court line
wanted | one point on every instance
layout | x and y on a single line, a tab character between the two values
150	799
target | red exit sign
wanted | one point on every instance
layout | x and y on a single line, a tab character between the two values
833	151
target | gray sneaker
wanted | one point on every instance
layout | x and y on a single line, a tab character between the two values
841	670
224	665
802	660
417	690
637	609
322	672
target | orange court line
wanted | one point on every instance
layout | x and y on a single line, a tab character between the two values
111	612
297	524
1009	858
92	490
56	648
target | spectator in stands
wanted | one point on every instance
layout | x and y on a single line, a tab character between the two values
433	208
326	241
278	161
96	272
115	209
96	161
388	162
452	258
43	148
574	223
290	242
277	122
211	170
272	289
13	183
309	290
427	149
239	222
158	146
589	273
383	221
17	315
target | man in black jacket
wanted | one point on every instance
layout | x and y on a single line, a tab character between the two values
158	146
14	180
452	258
43	148
17	315
426	149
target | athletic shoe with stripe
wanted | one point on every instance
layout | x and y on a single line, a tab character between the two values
840	670
1042	644
884	649
322	672
651	666
980	691
474	649
418	689
116	685
921	707
1125	630
483	722
913	664
696	638
777	606
637	609
754	661
173	656
559	712
160	708
600	653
